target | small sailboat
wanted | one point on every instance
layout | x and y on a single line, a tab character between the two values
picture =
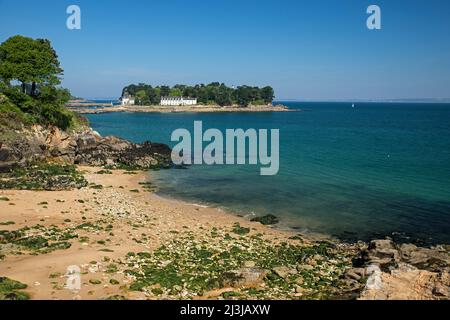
353	105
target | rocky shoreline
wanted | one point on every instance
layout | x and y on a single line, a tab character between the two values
180	109
85	147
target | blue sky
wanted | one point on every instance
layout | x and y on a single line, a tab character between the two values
306	50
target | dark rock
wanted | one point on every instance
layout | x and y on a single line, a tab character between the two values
39	144
387	255
356	274
268	219
352	285
442	291
382	253
146	155
116	152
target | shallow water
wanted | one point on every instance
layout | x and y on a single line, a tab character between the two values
357	172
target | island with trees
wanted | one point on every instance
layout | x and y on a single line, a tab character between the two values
213	97
214	93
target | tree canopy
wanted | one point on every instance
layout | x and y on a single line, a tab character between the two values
30	73
30	61
213	93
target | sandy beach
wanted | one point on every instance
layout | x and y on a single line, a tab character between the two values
128	211
129	243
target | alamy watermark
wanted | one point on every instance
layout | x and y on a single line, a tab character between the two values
73	22
73	275
229	149
374	20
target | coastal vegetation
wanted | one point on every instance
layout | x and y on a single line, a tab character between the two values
40	139
214	93
30	75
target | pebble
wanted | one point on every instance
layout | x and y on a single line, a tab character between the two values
249	264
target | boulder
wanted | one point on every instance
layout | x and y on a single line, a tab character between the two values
432	259
249	264
355	273
406	271
304	267
382	253
268	219
284	272
409	283
243	278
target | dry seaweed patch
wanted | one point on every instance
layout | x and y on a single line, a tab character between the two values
248	267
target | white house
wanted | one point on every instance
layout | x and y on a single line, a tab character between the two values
178	101
127	100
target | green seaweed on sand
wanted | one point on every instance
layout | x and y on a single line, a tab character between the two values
237	229
9	290
7	223
104	171
43	177
195	266
38	239
95	281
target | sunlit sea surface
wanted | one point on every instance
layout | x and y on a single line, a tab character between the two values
359	172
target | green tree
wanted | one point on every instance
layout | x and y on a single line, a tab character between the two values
223	96
243	95
31	62
34	64
175	92
164	91
267	94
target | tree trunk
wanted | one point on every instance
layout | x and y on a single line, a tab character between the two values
33	89
23	87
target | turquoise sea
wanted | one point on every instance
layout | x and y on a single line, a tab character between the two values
356	173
